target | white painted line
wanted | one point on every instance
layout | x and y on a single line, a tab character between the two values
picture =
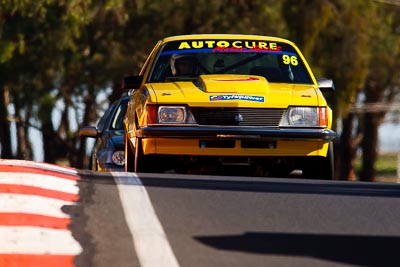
36	240
151	243
40	180
17	203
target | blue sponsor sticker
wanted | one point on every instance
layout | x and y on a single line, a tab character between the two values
237	97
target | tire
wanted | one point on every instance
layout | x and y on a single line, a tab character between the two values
90	164
320	167
129	156
93	163
140	161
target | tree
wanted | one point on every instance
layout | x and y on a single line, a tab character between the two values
14	70
306	20
349	68
382	84
58	56
337	37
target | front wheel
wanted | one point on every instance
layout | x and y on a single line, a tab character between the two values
320	167
140	161
129	156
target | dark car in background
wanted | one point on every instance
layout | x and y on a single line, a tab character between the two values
108	151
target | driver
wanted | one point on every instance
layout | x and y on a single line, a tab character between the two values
183	65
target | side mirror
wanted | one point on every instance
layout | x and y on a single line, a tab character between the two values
132	82
88	131
325	85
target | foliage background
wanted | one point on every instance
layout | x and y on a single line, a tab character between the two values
58	56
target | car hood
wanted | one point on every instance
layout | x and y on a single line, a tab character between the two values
234	90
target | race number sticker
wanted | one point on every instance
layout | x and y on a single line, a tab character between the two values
292	60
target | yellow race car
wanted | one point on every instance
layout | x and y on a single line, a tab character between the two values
220	103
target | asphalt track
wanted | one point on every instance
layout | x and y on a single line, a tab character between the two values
51	214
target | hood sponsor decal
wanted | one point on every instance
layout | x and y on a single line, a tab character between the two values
238	79
237	97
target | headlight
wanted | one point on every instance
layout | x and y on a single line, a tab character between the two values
118	158
305	117
169	115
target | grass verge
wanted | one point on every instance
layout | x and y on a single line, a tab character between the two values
385	166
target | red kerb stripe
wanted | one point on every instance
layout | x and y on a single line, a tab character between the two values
23	219
33	190
24	260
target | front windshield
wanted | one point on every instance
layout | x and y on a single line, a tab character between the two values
117	122
277	62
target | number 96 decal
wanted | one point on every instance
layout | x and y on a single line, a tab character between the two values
290	60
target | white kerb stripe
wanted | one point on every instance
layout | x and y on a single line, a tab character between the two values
41	165
37	240
17	203
40	180
151	243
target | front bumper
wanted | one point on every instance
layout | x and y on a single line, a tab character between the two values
312	134
234	141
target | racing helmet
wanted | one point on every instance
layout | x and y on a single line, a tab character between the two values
177	62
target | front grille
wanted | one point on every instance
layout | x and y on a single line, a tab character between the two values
269	117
